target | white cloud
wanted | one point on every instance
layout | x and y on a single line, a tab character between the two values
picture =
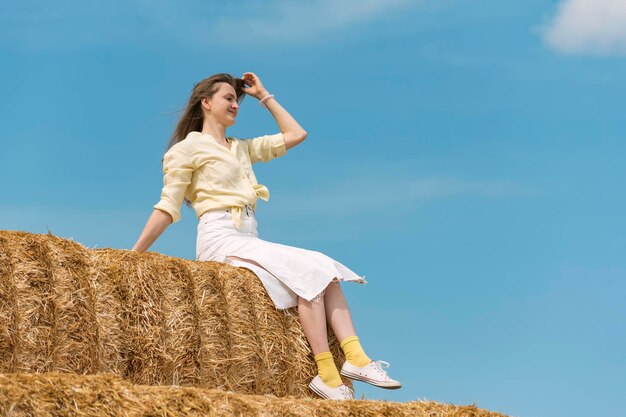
288	22
588	27
35	24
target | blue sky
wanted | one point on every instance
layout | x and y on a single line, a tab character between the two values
466	156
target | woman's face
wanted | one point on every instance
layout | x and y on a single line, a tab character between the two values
223	106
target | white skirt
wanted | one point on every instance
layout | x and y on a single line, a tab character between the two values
286	272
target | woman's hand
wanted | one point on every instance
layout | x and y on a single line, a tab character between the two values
291	130
254	86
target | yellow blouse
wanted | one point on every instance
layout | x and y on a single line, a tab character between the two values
211	176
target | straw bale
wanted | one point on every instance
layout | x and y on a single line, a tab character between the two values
243	354
51	305
147	317
32	315
8	310
273	347
109	324
74	300
102	395
156	322
212	325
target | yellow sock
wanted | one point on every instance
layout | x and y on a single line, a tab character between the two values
354	352
327	370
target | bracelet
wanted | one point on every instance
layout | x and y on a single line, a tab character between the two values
262	101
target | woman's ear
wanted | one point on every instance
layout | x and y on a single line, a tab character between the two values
206	104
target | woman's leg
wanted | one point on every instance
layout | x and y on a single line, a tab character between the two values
337	312
313	320
332	308
340	321
358	365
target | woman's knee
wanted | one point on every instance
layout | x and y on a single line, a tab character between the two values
333	286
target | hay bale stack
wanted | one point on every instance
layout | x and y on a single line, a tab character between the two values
108	395
149	318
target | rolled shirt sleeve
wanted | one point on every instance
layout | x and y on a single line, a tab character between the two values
177	174
266	148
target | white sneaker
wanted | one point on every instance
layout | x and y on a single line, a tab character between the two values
340	393
372	373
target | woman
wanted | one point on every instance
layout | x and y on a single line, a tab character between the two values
213	173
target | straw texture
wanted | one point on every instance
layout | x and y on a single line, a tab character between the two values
100	395
149	318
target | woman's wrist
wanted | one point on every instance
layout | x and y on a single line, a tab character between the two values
262	95
267	97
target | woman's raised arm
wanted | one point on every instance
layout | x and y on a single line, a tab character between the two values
156	224
290	128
